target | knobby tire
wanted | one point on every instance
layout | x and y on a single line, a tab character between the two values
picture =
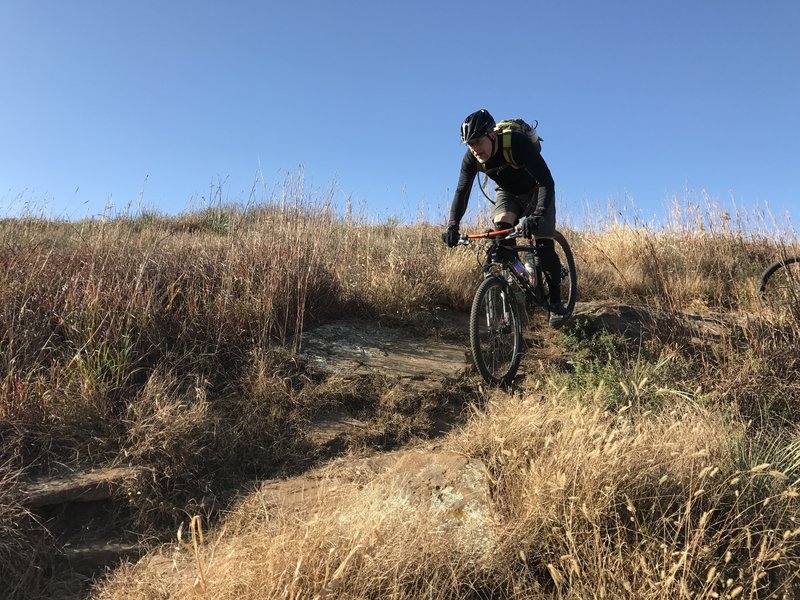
770	271
495	332
571	287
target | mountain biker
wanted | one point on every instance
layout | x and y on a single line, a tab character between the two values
526	189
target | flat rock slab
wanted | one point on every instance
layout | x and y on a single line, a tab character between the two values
305	494
638	322
90	557
331	424
360	348
88	486
450	488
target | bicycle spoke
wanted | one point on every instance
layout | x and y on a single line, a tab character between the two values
495	332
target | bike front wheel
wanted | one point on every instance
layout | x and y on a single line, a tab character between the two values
495	332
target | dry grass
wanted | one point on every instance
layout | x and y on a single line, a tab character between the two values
639	506
676	270
161	341
584	504
92	311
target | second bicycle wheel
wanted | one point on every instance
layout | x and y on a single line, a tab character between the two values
779	287
569	276
495	332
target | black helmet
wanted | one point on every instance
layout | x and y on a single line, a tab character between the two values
476	125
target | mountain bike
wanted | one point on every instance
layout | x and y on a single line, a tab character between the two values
780	283
502	299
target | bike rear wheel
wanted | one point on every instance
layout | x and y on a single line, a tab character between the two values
495	332
569	276
779	287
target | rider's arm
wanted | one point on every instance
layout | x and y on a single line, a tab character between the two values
531	160
469	168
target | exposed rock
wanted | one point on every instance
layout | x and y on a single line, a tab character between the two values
364	348
328	426
448	491
638	322
441	492
78	511
301	495
87	557
88	486
356	349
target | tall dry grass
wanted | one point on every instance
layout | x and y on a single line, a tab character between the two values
165	342
673	505
91	311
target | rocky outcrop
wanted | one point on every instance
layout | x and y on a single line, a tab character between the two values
355	350
86	533
365	348
83	486
449	486
638	322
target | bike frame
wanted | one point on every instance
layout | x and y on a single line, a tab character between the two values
498	312
535	291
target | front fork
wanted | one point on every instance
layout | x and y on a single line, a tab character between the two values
491	308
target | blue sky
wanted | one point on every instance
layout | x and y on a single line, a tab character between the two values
154	103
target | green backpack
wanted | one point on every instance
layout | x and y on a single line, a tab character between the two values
507	127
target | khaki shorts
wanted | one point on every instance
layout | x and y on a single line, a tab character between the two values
507	202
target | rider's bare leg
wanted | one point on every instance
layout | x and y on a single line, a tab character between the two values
506	217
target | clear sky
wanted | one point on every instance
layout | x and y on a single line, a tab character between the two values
153	103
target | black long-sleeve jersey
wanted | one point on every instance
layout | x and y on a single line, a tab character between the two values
533	172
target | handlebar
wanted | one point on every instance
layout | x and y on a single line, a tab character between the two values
508	234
